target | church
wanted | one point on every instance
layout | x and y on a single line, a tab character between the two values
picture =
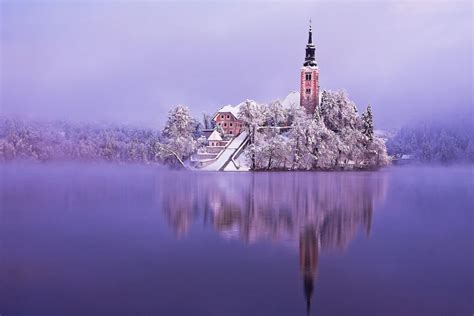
226	117
226	132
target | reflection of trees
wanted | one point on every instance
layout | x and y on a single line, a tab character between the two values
321	211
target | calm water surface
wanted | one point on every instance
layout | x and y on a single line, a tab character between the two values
130	240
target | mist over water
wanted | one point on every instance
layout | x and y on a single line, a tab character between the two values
101	239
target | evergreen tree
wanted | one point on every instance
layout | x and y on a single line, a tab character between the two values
206	120
368	123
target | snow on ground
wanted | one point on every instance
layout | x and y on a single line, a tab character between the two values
227	153
231	167
243	162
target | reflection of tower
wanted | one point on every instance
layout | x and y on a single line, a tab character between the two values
309	252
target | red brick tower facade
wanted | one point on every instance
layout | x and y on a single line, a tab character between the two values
309	80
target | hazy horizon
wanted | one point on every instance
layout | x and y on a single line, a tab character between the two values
127	62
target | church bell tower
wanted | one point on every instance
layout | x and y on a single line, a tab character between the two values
309	80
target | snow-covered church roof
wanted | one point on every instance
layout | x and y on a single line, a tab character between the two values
294	99
291	99
214	136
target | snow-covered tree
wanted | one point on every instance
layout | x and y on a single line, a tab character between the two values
252	115
368	123
274	114
299	135
270	151
315	146
291	112
179	133
338	111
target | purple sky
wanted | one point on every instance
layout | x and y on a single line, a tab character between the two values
130	62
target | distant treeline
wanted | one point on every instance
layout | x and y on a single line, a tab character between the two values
434	142
58	140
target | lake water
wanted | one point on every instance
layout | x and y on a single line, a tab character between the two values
134	240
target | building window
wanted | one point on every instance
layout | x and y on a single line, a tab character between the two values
308	91
222	116
230	132
225	124
219	123
308	76
230	124
228	116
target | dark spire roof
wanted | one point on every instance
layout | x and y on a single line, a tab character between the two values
310	59
310	37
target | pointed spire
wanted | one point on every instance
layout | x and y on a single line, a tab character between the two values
310	59
310	36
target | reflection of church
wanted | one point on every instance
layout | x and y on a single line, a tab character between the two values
320	212
332	234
